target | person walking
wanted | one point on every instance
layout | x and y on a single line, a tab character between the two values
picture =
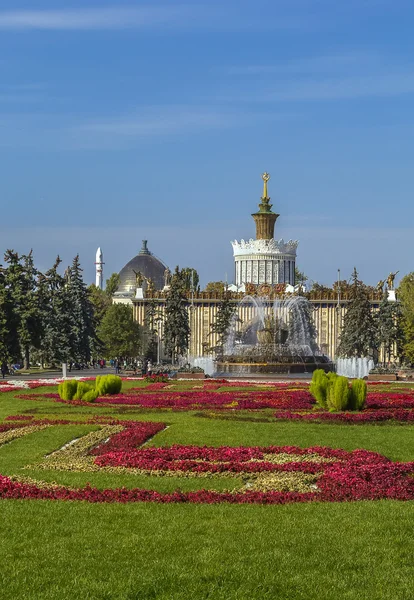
4	369
149	368
116	365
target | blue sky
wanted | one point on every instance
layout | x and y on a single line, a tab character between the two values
146	120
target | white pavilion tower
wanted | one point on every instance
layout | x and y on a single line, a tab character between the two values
264	260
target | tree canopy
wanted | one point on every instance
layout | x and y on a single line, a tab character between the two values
405	294
176	327
120	334
358	336
112	284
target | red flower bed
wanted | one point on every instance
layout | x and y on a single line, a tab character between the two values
365	416
390	400
135	434
25	423
358	475
344	476
195	400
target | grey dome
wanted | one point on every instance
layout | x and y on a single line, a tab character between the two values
145	263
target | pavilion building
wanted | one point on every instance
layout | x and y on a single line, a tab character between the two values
264	260
263	267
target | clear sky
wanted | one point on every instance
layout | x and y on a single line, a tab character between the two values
124	121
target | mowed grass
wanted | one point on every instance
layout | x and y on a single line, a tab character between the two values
54	550
65	550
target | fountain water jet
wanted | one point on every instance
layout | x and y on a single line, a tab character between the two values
278	337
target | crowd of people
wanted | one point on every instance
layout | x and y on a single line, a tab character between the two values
143	367
139	366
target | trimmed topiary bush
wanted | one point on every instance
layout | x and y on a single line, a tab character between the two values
90	396
338	394
358	394
67	389
319	387
332	392
108	385
82	389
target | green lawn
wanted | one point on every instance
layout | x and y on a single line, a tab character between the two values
64	550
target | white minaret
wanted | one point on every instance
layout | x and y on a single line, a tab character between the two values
99	263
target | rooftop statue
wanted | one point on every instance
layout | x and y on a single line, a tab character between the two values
390	280
150	284
167	277
139	278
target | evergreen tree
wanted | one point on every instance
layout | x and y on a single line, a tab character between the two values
120	334
406	297
358	336
300	277
81	314
389	331
224	317
150	334
177	327
21	281
56	344
9	345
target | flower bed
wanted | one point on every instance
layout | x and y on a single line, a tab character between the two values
289	402
196	400
363	417
271	475
390	400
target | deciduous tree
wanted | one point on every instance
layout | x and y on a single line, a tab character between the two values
405	294
119	333
112	284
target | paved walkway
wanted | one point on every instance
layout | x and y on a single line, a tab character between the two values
58	374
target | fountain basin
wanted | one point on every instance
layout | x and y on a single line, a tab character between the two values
277	368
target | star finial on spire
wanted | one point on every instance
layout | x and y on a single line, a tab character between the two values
265	177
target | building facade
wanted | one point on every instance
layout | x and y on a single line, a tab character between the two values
264	267
328	314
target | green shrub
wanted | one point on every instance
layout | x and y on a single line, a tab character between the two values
358	394
338	394
82	389
332	391
319	387
90	396
67	389
108	385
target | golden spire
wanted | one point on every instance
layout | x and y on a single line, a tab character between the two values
265	177
265	219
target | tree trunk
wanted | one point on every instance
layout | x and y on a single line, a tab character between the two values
26	358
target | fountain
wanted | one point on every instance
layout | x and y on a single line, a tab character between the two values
354	368
278	337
